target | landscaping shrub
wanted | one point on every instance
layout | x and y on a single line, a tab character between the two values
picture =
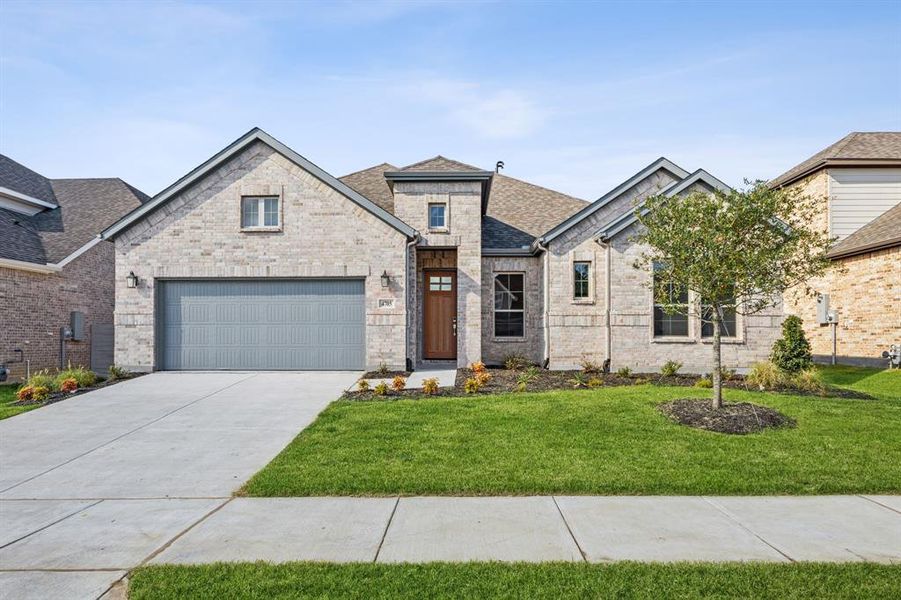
68	385
25	393
383	369
727	374
579	380
589	366
595	382
430	386
41	379
670	368
471	385
40	393
477	367
810	380
363	385
526	377
640	381
381	389
483	377
791	352
704	382
624	372
84	377
118	373
765	375
398	383
516	362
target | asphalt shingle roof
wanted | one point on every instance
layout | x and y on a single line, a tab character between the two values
882	232
857	146
85	208
20	178
517	212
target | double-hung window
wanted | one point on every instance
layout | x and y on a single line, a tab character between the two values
670	307
581	280
728	319
438	216
259	211
509	305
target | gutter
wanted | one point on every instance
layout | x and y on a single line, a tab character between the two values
540	245
21	265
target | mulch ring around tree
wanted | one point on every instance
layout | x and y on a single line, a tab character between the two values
737	418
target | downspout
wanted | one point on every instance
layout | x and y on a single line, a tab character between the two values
547	301
607	297
411	286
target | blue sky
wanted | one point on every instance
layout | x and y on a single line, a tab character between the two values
576	97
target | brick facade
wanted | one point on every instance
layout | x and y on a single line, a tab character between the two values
864	290
34	306
531	345
323	234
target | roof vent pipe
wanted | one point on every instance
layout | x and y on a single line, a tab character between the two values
498	166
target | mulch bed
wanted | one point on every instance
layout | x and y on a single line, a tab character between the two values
738	418
507	380
55	397
384	374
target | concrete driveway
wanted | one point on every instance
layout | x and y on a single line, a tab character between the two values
99	483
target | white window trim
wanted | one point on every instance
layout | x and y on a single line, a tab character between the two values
693	322
509	338
428	216
589	299
261	209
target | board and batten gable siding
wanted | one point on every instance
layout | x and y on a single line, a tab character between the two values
197	235
860	195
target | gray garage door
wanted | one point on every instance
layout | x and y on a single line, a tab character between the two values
316	324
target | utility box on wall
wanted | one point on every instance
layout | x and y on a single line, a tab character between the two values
76	324
823	309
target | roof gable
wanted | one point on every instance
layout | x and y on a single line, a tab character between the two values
660	163
254	135
440	163
626	219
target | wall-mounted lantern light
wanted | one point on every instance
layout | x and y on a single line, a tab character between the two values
386	279
131	280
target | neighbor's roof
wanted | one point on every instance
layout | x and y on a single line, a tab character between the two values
517	211
855	149
882	232
84	207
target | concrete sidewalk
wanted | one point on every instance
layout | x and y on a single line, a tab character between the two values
81	548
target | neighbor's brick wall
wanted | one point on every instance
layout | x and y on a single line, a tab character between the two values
577	328
865	291
197	234
33	307
494	350
464	234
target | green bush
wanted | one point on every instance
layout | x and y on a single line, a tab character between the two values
84	377
595	382
810	380
791	352
471	385
381	389
516	362
118	373
363	385
42	379
579	380
704	382
624	372
670	368
589	366
526	377
40	393
765	375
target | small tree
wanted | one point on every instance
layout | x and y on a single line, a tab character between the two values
791	352
734	250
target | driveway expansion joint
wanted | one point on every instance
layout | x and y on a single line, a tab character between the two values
569	529
385	533
51	524
877	502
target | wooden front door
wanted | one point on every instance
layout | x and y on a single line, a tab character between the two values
439	330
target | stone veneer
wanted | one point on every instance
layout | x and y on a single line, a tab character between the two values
34	306
323	234
464	235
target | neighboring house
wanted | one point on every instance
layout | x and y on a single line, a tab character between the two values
859	181
259	259
53	264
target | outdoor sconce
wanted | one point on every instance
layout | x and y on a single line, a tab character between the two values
131	280
386	279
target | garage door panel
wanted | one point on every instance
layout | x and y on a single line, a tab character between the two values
262	324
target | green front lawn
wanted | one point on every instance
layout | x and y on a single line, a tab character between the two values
495	580
604	441
7	397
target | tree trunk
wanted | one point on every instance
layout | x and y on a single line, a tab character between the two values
717	374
